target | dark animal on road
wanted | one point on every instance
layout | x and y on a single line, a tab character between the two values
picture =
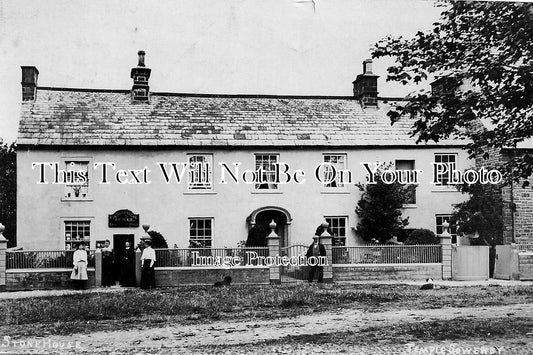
226	282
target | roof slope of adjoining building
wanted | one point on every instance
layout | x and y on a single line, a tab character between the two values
109	118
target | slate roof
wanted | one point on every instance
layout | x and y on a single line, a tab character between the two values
109	118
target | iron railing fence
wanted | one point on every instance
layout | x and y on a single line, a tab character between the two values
43	259
387	254
210	256
368	254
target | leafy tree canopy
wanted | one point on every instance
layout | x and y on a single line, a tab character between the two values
158	241
380	211
320	230
257	236
482	213
482	54
422	237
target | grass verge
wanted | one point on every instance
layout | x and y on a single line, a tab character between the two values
185	305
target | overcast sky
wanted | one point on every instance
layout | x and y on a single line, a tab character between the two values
294	47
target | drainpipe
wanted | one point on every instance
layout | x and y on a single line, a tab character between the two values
513	206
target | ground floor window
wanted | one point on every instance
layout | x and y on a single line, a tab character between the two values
439	220
76	232
201	232
338	226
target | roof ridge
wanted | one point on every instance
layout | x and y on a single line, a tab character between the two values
251	96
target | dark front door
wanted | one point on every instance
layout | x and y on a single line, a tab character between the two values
124	267
261	229
119	242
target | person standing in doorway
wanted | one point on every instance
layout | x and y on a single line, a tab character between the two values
315	251
147	263
127	264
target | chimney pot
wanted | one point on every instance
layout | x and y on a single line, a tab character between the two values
444	86
30	75
141	58
140	92
367	66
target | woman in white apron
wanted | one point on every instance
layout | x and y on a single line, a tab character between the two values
79	273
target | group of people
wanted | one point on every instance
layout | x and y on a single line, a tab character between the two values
116	266
124	264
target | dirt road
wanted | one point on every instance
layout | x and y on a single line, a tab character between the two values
240	337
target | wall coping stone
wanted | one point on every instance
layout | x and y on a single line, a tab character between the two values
20	271
388	265
251	267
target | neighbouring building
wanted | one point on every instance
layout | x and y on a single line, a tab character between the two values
515	200
112	151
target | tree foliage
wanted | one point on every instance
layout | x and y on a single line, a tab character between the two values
380	211
257	236
483	53
158	241
422	237
320	230
481	213
8	191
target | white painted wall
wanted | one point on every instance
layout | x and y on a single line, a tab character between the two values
41	212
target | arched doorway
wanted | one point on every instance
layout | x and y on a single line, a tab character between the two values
258	225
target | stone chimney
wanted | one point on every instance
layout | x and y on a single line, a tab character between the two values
444	86
365	86
140	75
30	75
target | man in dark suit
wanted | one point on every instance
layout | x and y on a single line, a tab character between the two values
315	250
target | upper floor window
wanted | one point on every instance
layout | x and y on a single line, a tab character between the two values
200	171
451	164
265	166
409	189
77	179
333	170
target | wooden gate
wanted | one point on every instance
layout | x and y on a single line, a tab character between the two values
470	263
294	273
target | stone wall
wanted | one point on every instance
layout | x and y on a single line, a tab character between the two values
174	276
387	272
521	197
42	279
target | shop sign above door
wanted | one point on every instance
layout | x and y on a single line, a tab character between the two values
123	218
